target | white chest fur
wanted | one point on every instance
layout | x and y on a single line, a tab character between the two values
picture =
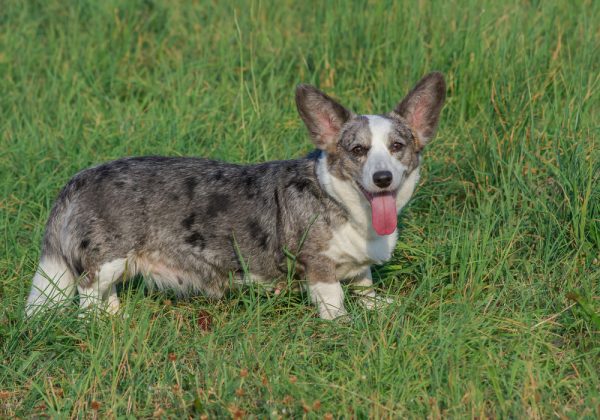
353	250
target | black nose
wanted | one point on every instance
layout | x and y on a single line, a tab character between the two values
382	179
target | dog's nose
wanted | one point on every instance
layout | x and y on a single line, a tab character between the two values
382	179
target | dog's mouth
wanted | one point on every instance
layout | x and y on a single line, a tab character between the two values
383	210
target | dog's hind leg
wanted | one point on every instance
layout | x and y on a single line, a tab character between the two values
100	290
53	284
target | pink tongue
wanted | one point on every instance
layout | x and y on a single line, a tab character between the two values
384	216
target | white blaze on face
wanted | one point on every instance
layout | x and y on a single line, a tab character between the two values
379	157
384	211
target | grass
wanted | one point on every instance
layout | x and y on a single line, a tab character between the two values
496	275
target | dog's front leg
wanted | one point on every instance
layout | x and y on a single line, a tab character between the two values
329	298
363	284
325	290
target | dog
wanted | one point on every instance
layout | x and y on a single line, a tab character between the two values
195	225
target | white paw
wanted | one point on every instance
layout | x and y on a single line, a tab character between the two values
374	302
330	313
112	305
108	308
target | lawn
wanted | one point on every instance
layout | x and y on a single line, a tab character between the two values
495	281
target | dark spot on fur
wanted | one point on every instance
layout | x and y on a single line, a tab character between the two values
174	197
189	221
263	240
254	228
103	172
278	221
217	203
218	175
257	232
190	185
119	184
196	240
77	267
78	183
84	244
179	280
300	184
250	183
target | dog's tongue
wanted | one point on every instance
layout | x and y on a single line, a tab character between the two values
383	213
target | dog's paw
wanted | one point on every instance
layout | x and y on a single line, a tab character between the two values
112	305
102	310
331	313
374	302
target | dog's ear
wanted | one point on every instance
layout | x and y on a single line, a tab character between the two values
323	116
421	107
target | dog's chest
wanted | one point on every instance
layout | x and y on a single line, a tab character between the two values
353	250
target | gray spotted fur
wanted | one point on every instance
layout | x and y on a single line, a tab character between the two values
200	215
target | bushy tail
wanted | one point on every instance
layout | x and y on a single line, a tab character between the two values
53	284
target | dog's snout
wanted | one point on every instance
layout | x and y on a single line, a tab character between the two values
382	179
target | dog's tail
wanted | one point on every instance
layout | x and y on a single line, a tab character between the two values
54	281
53	284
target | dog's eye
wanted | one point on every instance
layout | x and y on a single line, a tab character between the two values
359	150
396	147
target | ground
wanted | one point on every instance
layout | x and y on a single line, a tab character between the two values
495	279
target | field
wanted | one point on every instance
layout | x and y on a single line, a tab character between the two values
496	277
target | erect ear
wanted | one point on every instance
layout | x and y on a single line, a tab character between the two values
323	116
421	107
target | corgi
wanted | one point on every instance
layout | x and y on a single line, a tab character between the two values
192	225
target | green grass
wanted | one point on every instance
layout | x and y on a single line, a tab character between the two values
496	275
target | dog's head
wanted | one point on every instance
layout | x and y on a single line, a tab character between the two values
376	153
